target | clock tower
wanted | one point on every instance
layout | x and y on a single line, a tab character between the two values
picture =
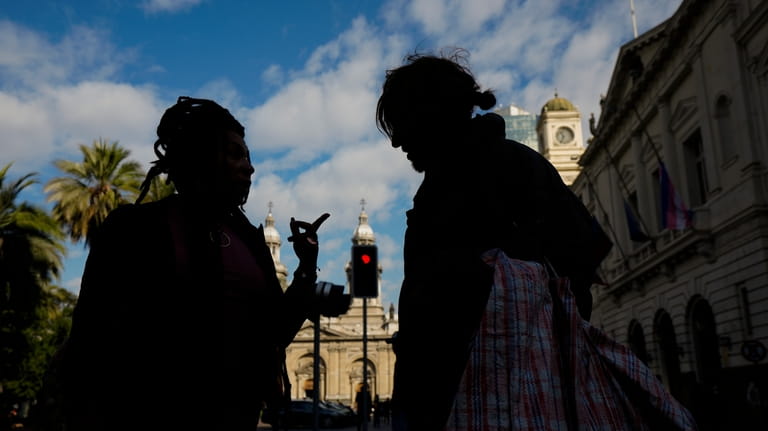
560	137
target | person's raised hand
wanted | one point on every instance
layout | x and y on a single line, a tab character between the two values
304	239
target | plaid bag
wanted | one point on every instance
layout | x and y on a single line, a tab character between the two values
536	365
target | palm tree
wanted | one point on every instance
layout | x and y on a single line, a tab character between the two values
92	188
31	257
159	189
31	241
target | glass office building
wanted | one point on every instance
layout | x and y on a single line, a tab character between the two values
521	125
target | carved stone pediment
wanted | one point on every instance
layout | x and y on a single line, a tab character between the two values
308	331
684	110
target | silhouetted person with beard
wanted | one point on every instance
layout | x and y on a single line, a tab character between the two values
480	191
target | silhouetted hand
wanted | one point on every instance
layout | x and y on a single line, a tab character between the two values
305	243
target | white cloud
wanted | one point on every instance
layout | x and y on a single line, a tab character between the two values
330	102
27	132
314	141
28	60
431	14
56	95
170	6
54	121
224	93
524	50
460	18
374	171
273	75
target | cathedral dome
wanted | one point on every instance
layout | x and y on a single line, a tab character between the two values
558	104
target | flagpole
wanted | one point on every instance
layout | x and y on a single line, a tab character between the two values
645	132
605	214
634	19
626	189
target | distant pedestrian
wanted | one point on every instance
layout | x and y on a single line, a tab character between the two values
363	405
376	411
385	410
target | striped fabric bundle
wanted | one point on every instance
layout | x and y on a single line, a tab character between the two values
514	379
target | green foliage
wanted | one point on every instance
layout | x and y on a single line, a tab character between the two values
92	188
31	257
42	340
159	189
35	315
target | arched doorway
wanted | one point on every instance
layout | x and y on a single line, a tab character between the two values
356	378
636	340
706	348
305	378
706	361
669	359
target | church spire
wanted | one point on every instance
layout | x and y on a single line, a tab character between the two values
363	232
272	238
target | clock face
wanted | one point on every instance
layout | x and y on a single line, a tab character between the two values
564	135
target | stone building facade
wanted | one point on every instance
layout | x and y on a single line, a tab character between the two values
341	338
692	299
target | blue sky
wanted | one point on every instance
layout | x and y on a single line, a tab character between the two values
302	76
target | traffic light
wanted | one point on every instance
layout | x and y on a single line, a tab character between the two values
365	272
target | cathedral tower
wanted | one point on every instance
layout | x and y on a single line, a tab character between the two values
560	136
272	237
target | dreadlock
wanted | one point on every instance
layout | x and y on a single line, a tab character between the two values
186	136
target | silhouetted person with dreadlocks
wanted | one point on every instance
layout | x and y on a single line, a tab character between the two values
512	198
181	322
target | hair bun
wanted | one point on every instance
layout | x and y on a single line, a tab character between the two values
485	100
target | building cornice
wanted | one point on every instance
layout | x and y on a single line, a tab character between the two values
667	34
658	258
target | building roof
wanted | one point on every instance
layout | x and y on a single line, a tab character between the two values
558	104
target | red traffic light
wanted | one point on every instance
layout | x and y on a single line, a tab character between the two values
365	274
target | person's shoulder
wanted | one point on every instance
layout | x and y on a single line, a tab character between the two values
137	212
519	150
130	219
508	155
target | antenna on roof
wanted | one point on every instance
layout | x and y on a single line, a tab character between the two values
634	19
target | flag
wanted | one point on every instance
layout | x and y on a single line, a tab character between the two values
635	231
674	214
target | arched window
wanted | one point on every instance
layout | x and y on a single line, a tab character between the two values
669	359
636	341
